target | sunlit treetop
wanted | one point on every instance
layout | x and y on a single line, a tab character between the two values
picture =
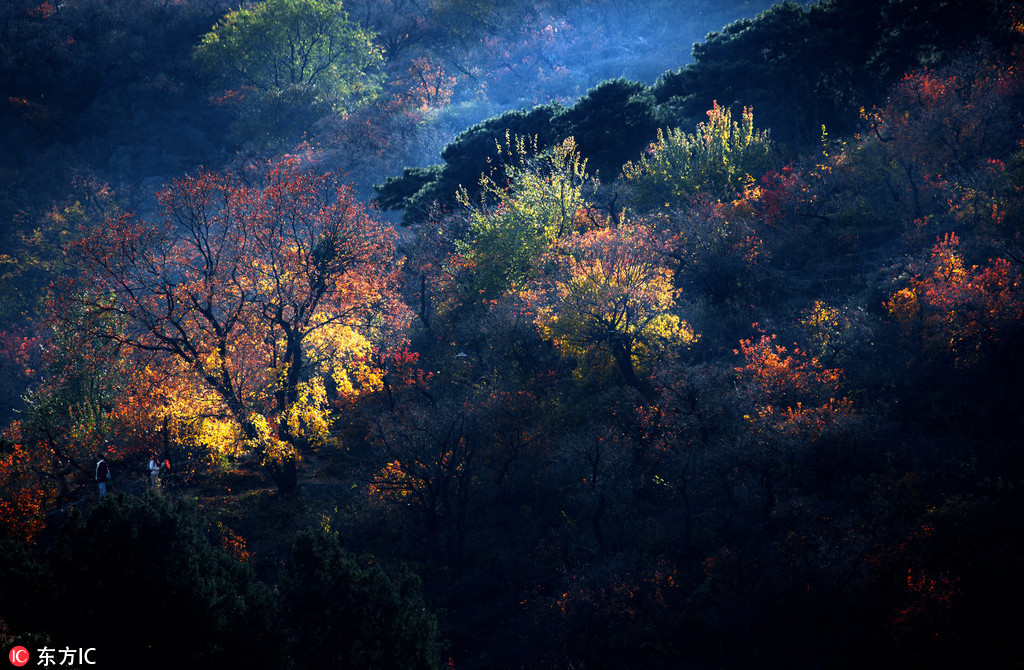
605	299
514	222
958	313
718	158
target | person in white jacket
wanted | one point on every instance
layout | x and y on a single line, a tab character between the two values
154	472
102	475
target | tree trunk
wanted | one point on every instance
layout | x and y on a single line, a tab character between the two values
293	357
284	474
424	302
624	359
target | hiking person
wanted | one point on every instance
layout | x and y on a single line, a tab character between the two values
102	475
154	472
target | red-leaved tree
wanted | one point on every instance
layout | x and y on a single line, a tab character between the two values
251	290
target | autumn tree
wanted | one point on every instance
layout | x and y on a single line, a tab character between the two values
514	221
781	378
23	495
248	289
424	86
605	294
944	135
959	312
796	415
716	158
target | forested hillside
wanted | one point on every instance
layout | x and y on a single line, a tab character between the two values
475	334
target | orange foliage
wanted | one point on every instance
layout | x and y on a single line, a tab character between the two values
940	131
809	422
44	10
957	310
941	119
426	85
233	543
766	198
243	290
782	377
792	393
22	496
429	463
930	599
392	484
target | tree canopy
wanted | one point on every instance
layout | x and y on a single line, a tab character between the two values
297	48
247	292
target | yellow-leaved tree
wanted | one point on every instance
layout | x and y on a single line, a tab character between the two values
606	299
